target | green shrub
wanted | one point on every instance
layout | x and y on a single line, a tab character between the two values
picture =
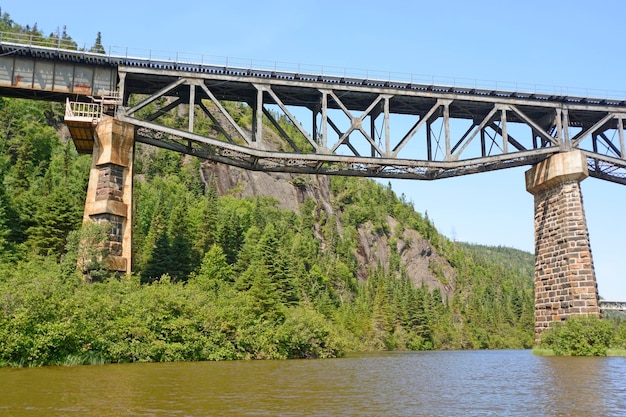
579	336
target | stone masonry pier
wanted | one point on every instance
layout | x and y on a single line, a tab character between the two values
565	282
109	194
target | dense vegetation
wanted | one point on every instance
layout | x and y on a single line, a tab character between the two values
585	336
224	277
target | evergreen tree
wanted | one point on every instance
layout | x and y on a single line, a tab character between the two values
214	272
206	235
97	46
160	262
54	219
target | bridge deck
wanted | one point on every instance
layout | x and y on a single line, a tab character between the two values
356	125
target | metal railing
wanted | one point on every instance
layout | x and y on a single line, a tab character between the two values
187	58
83	111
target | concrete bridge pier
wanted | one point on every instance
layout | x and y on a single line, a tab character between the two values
109	194
565	282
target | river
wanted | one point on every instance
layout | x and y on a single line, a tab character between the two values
467	383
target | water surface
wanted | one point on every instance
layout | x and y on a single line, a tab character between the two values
477	383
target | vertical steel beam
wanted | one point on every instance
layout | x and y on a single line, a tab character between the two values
373	134
505	137
122	90
446	124
567	143
429	138
192	106
483	144
315	113
258	118
324	141
620	132
387	129
559	127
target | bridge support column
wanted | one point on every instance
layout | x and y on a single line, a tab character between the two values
565	282
109	194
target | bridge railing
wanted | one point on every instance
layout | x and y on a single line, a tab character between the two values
75	110
187	58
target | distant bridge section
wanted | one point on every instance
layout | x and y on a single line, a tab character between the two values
612	306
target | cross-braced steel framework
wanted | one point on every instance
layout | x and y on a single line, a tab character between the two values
366	127
342	125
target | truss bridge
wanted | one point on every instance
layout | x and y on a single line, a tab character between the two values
344	125
333	124
612	306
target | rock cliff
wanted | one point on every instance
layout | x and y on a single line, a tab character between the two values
418	258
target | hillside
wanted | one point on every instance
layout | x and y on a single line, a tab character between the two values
230	264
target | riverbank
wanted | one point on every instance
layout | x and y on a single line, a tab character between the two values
619	352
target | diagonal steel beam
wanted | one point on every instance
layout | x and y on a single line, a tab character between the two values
538	129
417	126
511	140
284	108
280	129
366	113
225	113
216	122
343	138
340	104
610	144
585	132
156	95
480	127
370	140
460	141
356	123
165	109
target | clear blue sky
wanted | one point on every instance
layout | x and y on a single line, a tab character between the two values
574	44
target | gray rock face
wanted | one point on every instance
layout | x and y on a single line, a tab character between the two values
423	265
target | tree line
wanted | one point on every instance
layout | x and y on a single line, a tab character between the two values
220	276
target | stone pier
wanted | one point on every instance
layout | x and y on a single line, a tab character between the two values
565	282
109	194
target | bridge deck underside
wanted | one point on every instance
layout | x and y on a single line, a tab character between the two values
343	125
373	129
82	133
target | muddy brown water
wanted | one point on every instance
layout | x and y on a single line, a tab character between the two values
479	383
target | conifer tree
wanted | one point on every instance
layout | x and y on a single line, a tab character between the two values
97	46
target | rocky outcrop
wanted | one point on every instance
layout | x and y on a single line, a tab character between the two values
420	261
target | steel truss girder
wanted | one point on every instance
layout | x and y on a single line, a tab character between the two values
612	305
513	131
309	163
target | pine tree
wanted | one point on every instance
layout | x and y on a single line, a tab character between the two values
180	250
206	235
97	46
55	217
159	262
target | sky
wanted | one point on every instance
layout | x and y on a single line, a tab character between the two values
573	45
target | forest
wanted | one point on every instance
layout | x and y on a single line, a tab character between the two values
220	276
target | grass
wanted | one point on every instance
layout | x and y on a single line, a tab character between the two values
616	352
609	352
543	352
